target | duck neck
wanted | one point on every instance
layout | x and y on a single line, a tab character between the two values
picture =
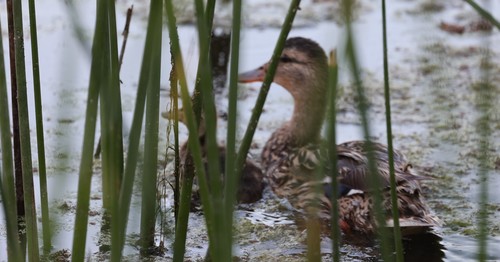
307	120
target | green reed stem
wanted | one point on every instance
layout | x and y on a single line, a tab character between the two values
209	14
196	98
13	249
151	134
264	90
174	97
205	82
485	14
486	96
7	172
85	175
111	112
120	61
232	178
194	147
221	247
135	133
313	225
363	108
111	123
372	168
184	197
328	166
221	250
39	131
484	130
183	216
25	137
332	149
394	198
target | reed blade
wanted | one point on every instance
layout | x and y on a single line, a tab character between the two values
39	131
394	199
85	174
232	178
485	14
190	109
362	105
332	149
127	184
7	172
25	137
149	204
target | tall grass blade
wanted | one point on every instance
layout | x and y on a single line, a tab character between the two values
183	217
363	108
135	132
332	149
313	221
484	102
394	198
7	171
193	145
184	197
485	14
313	225
195	149
264	90
110	108
486	96
188	168
221	250
85	174
149	204
206	88
111	123
39	131
24	134
120	61
174	98
232	178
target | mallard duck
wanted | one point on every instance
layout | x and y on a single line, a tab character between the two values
292	153
251	182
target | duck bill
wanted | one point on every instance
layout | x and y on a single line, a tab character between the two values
256	75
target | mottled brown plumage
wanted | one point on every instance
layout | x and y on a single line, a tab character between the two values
251	182
291	156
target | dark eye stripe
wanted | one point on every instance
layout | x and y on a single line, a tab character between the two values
287	59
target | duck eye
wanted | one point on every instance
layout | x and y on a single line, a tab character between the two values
286	59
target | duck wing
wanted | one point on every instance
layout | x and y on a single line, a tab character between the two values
353	166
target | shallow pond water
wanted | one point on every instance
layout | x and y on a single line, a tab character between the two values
433	73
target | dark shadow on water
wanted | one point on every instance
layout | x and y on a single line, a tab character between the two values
424	247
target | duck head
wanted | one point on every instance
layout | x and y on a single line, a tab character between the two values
302	69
